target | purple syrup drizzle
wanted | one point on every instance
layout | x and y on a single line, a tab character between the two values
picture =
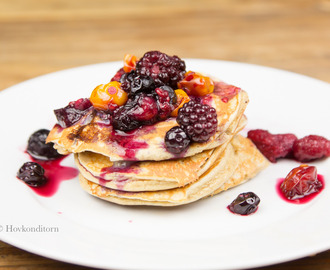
55	173
303	200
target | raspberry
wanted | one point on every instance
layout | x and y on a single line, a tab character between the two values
118	75
300	182
272	146
310	148
199	121
38	148
176	140
32	174
164	69
72	113
166	98
245	204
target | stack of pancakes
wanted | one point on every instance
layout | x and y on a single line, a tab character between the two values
136	169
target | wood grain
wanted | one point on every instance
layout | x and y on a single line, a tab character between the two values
38	37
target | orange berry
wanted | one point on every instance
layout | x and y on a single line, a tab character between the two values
108	96
182	98
196	84
129	62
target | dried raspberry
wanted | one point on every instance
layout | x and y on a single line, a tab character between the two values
164	69
199	121
272	146
310	148
300	182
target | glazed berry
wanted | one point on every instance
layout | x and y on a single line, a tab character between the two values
176	140
164	69
139	110
166	98
245	204
72	113
133	83
310	148
108	96
199	121
129	62
300	182
182	98
272	146
32	174
196	84
118	75
39	149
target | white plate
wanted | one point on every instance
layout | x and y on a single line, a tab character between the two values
203	235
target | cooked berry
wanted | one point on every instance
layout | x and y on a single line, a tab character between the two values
199	121
164	69
139	110
300	182
166	98
32	174
176	140
72	113
196	84
133	83
245	204
39	149
272	146
310	148
118	75
129	62
182	98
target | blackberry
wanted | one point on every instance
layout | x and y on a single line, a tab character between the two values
164	69
199	121
32	174
72	113
245	204
176	140
133	83
38	148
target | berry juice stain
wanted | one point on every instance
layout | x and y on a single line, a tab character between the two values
55	173
303	200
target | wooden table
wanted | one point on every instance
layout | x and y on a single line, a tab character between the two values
38	37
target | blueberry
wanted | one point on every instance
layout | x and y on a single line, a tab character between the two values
245	204
32	174
39	149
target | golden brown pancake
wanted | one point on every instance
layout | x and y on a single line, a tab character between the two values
239	161
147	142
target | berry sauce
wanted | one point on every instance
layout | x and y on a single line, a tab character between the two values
55	173
303	200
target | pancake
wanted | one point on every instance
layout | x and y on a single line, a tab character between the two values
238	162
147	142
148	175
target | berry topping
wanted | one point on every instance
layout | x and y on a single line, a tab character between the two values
245	204
32	174
129	62
165	97
72	113
196	84
199	121
164	69
133	83
108	96
176	140
272	146
38	148
139	110
300	182
182	98
310	148
118	75
225	91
